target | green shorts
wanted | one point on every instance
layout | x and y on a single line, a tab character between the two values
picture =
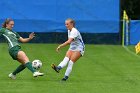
14	51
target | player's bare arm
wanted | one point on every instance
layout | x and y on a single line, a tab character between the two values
24	40
64	44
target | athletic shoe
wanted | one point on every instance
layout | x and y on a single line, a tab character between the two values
65	78
12	76
55	68
35	74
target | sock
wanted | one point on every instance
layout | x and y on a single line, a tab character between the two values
63	63
29	66
69	68
19	69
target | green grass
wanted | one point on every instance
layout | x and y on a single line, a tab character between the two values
103	69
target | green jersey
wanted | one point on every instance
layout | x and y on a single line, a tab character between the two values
11	37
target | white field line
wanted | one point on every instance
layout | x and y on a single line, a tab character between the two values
129	51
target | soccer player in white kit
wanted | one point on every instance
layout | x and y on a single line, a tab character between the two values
75	51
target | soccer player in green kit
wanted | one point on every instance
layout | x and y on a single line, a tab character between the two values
15	49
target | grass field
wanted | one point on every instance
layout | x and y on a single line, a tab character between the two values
103	69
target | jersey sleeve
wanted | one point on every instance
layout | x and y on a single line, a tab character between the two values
73	34
17	35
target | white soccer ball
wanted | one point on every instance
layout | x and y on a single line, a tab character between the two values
37	64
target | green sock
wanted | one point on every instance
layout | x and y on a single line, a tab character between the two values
29	66
19	69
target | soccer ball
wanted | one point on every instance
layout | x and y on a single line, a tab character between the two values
37	64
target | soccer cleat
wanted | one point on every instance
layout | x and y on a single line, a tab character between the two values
12	76
35	74
65	78
55	68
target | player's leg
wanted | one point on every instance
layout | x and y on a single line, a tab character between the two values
14	52
74	57
25	60
19	68
63	63
65	60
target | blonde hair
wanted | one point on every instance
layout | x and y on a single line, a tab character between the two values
71	21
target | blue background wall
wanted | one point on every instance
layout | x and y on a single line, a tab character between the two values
134	31
92	16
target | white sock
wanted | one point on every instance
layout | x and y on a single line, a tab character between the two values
64	62
69	68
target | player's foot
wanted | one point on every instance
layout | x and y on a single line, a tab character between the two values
55	68
35	74
65	78
12	76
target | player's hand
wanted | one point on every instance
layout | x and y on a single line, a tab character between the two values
58	48
32	35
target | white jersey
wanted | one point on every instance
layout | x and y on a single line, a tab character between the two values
77	44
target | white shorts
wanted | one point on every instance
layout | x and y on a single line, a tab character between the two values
81	49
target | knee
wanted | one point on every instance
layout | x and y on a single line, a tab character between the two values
22	57
23	60
73	60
